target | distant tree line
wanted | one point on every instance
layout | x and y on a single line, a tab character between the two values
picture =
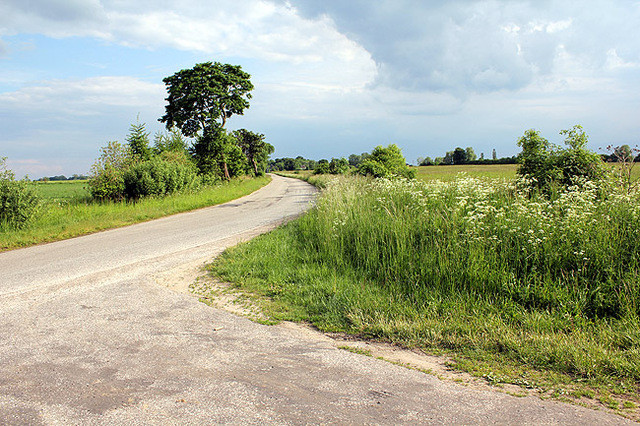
301	163
465	156
381	162
290	164
62	177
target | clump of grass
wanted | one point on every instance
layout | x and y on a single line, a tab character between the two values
68	214
481	268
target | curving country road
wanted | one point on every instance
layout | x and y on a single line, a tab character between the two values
89	336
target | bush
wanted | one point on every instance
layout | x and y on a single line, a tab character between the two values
386	162
161	175
322	167
338	166
18	200
549	167
106	180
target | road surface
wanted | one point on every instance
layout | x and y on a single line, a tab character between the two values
89	336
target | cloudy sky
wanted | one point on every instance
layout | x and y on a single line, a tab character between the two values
332	77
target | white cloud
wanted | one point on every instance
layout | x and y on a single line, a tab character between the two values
463	47
614	61
254	29
554	27
83	97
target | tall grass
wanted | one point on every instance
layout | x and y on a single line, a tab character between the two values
62	217
577	254
483	267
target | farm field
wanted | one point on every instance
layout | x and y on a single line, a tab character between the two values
446	173
66	211
67	191
514	288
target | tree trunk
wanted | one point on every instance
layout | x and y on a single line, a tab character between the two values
255	166
226	171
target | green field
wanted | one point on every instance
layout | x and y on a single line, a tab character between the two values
446	173
67	191
513	287
65	210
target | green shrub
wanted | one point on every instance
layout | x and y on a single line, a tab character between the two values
322	167
338	166
161	175
106	179
386	162
550	167
18	200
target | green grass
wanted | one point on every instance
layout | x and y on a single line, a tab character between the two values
66	191
515	288
66	213
447	173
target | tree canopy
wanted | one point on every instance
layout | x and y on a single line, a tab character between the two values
205	96
200	101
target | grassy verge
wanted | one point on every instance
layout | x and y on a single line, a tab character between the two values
515	289
64	216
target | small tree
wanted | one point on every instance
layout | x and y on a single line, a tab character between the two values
386	162
448	158
354	160
171	141
536	159
459	156
322	167
216	153
338	166
577	161
471	155
106	179
254	148
138	141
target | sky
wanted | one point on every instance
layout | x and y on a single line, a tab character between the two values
331	77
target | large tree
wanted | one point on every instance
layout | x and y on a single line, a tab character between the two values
202	98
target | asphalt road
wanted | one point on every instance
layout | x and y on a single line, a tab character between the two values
89	336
